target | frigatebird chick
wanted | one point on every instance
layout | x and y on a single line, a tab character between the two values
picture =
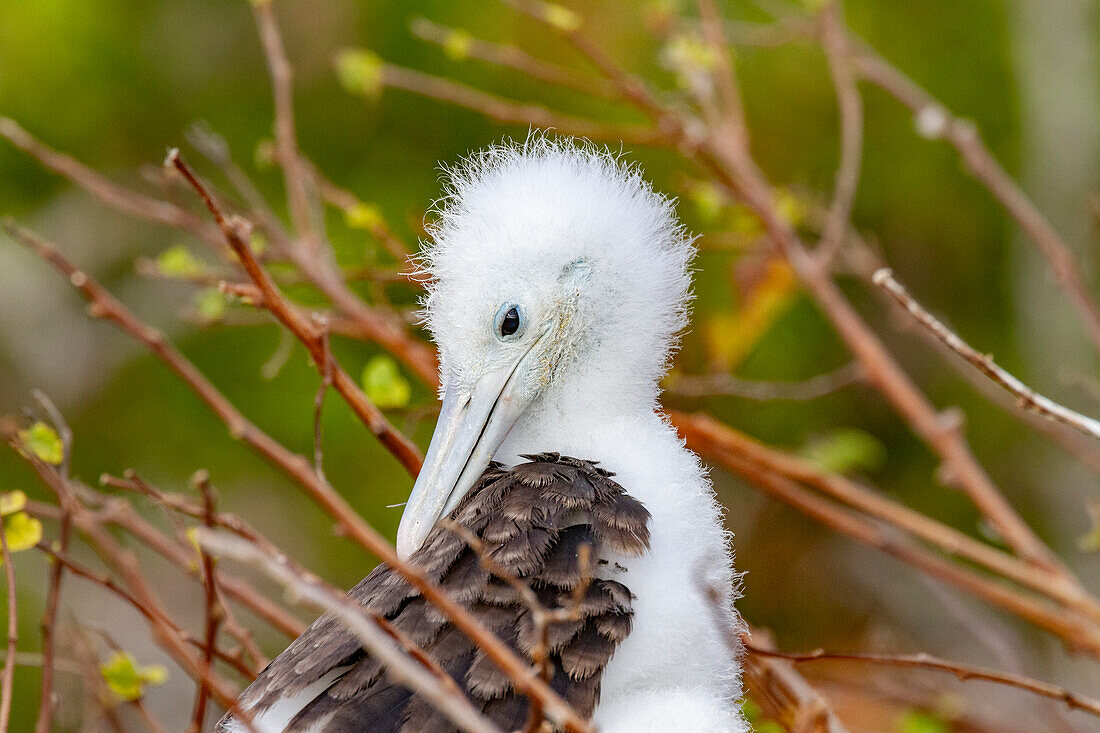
558	285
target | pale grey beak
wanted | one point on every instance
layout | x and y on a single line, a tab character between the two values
472	425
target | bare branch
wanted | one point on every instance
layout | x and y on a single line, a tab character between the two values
308	332
7	677
1026	398
516	113
1073	700
510	56
935	121
835	42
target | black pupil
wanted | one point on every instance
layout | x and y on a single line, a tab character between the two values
510	324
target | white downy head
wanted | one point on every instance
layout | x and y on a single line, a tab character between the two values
559	283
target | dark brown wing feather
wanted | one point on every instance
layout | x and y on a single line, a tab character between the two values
533	520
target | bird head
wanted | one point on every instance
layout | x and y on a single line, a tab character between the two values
557	275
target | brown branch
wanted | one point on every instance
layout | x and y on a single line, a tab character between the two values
781	691
7	677
1073	700
110	585
299	468
1075	620
1026	398
835	43
724	152
937	122
47	698
512	57
213	610
286	140
311	334
516	113
125	564
110	193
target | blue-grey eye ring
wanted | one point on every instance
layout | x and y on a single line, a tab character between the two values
509	322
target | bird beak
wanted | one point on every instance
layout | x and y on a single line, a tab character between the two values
472	425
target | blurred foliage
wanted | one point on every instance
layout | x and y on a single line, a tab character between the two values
115	82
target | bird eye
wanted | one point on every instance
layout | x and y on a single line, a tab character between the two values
508	322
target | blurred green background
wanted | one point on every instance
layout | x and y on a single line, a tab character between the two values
116	82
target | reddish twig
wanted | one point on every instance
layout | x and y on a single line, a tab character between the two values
212	610
1073	700
309	333
48	625
7	677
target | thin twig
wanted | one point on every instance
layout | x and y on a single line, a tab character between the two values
835	42
513	57
212	610
1026	398
516	113
286	140
47	698
1073	700
935	121
115	196
309	333
7	677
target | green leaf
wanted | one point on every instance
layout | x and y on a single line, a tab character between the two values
22	531
1090	541
42	442
457	44
127	679
363	216
561	17
845	450
12	502
360	72
210	305
917	721
263	157
177	261
384	385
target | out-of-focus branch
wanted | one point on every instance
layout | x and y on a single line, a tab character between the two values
309	332
1073	700
286	139
110	193
1074	619
835	41
775	684
515	113
462	44
48	625
1026	398
935	121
